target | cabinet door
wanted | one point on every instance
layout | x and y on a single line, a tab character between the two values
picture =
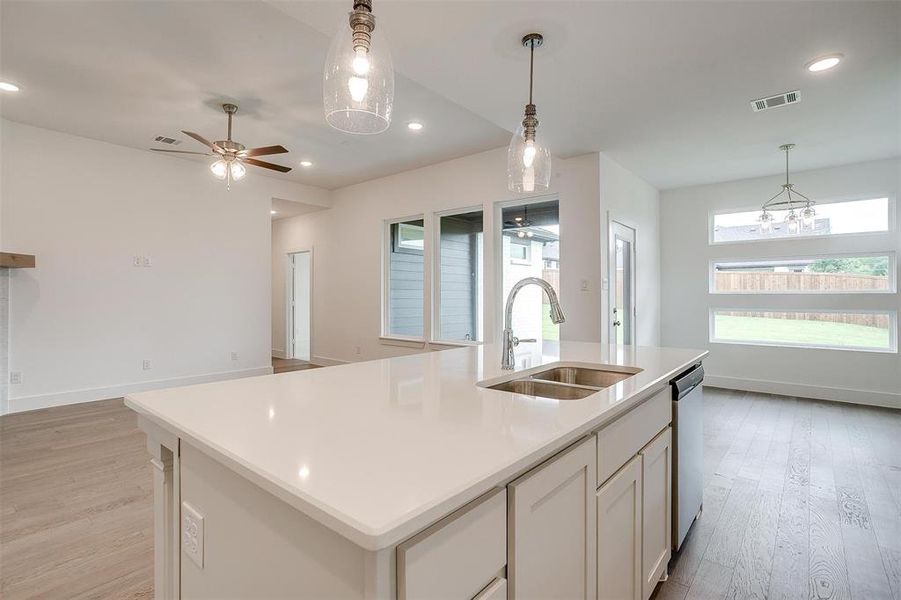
656	522
551	528
619	535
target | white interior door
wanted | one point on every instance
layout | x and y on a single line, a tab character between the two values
301	321
622	284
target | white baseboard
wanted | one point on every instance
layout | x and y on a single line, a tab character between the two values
279	353
117	391
325	361
801	390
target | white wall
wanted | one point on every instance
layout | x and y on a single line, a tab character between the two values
82	322
830	374
346	242
631	201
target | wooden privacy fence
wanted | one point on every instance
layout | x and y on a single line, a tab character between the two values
768	281
866	319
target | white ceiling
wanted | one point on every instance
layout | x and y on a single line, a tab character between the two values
125	72
663	87
285	209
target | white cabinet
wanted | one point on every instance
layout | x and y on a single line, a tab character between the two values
496	590
551	528
619	535
460	557
656	491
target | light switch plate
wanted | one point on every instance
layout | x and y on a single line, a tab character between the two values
192	533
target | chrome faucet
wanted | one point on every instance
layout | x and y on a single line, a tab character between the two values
511	341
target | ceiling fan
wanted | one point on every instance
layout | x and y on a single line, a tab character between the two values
232	155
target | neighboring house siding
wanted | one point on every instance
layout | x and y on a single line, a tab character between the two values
406	294
458	280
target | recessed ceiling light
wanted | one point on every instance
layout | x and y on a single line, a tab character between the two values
8	87
306	163
414	125
824	63
273	212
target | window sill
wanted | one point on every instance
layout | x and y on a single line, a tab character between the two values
805	347
456	344
403	342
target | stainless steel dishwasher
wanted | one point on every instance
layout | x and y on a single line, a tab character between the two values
688	451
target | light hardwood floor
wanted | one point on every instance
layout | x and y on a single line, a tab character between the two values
802	501
286	365
76	513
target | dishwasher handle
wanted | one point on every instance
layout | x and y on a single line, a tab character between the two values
687	381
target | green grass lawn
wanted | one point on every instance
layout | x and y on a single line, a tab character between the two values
549	331
815	333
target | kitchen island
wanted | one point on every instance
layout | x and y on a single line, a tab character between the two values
409	477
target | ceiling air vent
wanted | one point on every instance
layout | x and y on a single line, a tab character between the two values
166	140
776	101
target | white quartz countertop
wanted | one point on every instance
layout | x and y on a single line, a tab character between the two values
379	450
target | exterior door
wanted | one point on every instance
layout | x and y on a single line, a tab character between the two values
301	269
622	284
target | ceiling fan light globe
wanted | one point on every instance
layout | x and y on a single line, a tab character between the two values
238	170
219	169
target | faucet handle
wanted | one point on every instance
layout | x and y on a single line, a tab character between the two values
517	341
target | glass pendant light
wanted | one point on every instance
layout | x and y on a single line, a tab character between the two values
358	78
766	222
808	217
792	222
528	160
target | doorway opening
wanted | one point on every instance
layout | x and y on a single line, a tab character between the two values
300	315
622	284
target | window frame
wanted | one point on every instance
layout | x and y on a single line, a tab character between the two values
892	274
892	329
892	220
387	247
497	236
435	325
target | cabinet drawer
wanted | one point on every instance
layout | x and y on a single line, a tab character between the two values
457	557
619	441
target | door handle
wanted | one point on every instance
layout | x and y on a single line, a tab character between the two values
617	323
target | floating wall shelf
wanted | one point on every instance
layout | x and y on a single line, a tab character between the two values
11	260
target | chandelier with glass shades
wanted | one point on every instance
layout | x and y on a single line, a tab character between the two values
358	77
528	160
801	213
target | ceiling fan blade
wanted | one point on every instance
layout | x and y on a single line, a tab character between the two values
264	150
180	152
265	165
202	140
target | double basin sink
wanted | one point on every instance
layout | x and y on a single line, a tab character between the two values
566	382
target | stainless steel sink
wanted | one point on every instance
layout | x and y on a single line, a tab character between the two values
544	389
597	378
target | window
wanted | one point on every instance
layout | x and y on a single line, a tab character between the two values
459	278
530	238
860	330
404	290
520	251
837	218
835	274
410	237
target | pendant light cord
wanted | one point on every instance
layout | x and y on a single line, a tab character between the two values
531	67
786	166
